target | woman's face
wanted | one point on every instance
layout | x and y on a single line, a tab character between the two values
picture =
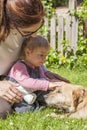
28	31
36	57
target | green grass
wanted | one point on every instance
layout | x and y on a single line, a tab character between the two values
76	76
39	120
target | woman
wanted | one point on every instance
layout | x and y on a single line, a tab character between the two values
18	19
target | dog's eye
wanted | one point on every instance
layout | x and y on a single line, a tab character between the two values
59	91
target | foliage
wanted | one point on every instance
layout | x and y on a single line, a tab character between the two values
48	6
81	13
54	3
57	3
69	59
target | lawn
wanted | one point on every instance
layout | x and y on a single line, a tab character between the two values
39	120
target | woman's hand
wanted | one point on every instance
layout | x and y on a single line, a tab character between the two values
9	91
53	85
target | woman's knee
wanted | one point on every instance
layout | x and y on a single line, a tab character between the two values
5	108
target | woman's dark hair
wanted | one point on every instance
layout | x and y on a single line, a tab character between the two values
19	13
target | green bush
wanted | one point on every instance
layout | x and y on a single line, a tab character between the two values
69	59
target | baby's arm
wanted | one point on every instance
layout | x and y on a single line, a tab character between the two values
20	74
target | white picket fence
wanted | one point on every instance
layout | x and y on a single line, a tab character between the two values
63	27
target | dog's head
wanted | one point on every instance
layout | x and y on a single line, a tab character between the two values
66	97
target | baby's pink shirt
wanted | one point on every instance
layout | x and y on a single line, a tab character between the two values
20	74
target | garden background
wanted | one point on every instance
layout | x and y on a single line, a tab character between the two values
69	64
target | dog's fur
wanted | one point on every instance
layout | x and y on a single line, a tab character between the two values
72	99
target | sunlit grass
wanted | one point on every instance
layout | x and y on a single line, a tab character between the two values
75	76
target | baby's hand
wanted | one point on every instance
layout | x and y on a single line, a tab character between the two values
52	85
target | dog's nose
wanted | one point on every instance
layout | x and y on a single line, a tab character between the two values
45	96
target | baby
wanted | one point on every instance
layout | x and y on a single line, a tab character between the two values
28	70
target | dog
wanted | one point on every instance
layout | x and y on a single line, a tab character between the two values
70	99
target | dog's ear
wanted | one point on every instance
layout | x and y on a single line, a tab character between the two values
78	95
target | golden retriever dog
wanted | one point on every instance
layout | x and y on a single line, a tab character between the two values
70	99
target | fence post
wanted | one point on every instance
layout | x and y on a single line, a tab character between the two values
60	33
53	32
73	25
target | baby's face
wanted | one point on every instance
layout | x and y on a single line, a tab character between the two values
37	57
